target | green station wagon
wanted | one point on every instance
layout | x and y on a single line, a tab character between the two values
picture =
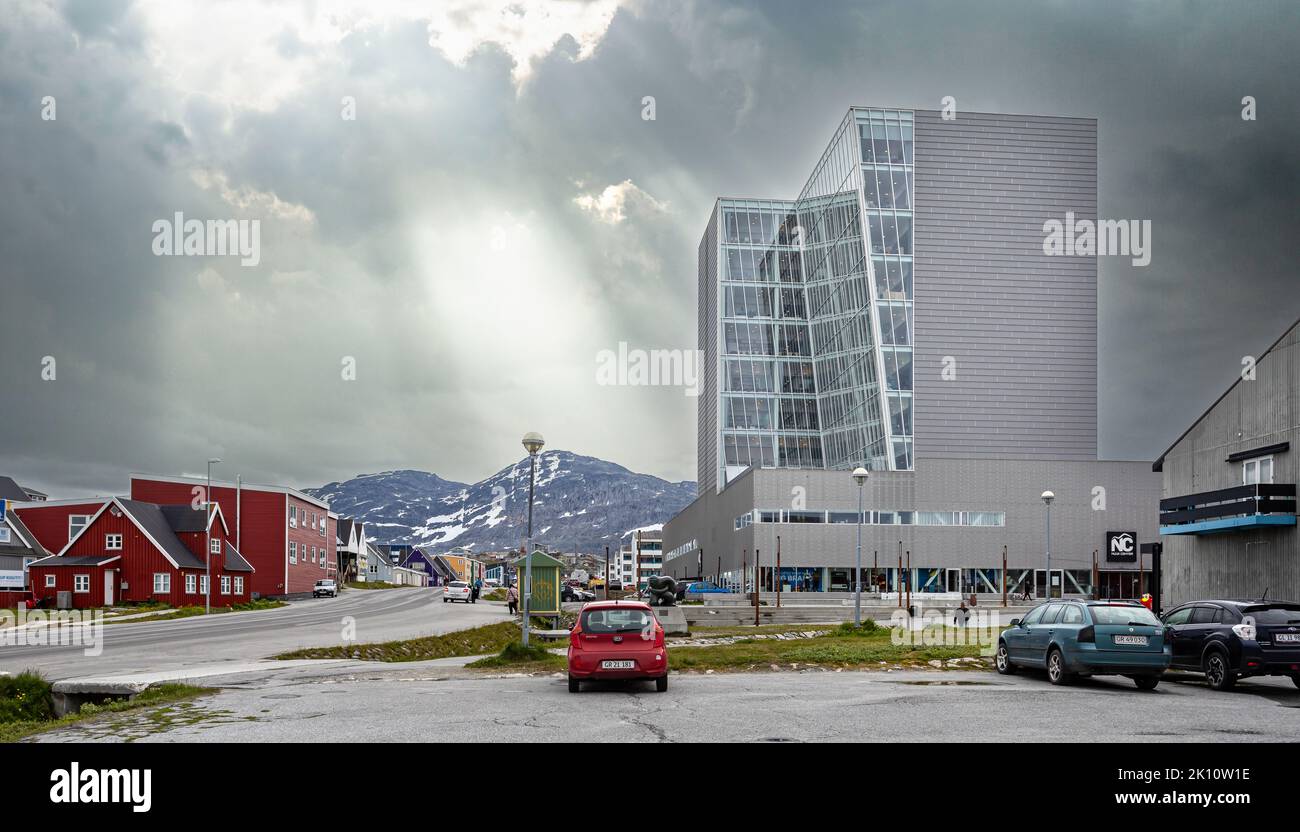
1087	638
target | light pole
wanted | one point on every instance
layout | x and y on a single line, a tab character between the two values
533	443
1047	498
860	477
207	536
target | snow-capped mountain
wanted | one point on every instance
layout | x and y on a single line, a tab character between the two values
580	502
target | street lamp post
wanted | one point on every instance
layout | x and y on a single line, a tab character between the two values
1047	498
207	537
860	477
533	443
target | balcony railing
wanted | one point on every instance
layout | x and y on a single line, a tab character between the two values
1242	506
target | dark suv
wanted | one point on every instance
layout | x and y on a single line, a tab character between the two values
1228	640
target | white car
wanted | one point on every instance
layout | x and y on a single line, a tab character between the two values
325	587
456	591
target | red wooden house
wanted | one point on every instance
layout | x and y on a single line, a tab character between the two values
137	551
288	536
56	522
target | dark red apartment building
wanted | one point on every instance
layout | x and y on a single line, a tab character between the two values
286	535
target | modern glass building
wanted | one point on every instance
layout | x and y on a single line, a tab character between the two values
813	299
900	313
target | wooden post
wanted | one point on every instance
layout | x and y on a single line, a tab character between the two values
606	573
1004	576
778	571
875	566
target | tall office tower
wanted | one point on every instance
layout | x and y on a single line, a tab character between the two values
902	305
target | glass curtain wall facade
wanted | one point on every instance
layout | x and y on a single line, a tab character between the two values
814	297
768	404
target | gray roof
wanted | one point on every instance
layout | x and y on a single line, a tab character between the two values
151	519
375	551
184	518
77	560
235	562
10	490
343	529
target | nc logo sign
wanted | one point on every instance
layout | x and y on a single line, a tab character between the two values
1121	547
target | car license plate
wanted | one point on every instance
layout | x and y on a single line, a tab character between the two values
1142	640
617	665
1287	638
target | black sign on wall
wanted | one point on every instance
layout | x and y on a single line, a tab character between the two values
1121	547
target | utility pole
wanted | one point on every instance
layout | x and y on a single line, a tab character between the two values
607	572
1096	579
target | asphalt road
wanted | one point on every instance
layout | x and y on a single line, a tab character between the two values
438	705
377	614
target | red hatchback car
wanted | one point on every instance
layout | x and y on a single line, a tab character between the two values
617	640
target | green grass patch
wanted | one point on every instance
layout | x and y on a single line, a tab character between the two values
701	632
497	594
371	585
490	638
838	648
170	614
516	656
27	705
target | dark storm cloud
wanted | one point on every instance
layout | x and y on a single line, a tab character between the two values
473	203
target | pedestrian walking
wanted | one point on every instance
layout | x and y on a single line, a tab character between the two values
512	599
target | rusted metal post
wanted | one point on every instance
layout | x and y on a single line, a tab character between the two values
778	571
1004	576
758	574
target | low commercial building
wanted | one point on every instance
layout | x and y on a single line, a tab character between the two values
19	548
641	558
1228	512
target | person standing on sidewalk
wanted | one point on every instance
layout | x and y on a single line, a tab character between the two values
512	599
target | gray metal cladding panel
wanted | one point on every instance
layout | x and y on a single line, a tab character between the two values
707	461
1020	326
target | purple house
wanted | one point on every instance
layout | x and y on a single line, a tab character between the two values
438	573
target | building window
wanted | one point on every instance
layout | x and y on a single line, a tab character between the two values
162	582
1256	471
81	583
214	546
322	527
113	542
191	581
293	517
313	554
49	580
239	585
203	584
293	551
225	584
76	522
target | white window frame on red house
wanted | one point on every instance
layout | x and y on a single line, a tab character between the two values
293	517
84	518
203	584
239	584
214	546
225	584
50	580
113	542
322	527
293	551
163	586
191	583
81	584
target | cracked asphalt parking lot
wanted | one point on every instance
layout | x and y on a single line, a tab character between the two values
396	704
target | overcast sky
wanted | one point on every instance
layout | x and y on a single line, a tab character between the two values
498	211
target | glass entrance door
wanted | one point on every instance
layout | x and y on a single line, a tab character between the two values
954	581
1040	583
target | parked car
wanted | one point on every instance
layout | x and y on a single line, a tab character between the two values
617	640
457	591
705	587
1087	638
492	582
1231	640
575	593
325	587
